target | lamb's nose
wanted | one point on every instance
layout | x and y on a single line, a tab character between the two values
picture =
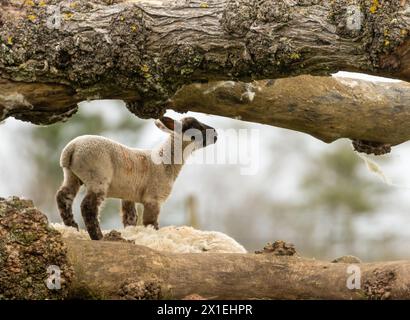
215	138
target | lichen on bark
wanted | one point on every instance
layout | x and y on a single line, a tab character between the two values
379	284
140	290
28	247
383	28
142	52
318	37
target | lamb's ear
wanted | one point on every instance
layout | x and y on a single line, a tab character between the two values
166	124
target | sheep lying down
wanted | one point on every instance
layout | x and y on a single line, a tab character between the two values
169	239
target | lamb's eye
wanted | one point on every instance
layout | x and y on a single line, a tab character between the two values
192	138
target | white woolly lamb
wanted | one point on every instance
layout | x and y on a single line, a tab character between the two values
109	169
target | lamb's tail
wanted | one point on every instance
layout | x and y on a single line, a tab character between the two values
67	156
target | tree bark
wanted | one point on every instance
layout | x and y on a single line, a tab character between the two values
121	270
143	51
328	108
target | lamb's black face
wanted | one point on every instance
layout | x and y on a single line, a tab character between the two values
190	129
197	131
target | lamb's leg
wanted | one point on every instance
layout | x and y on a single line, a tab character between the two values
65	197
89	211
129	213
151	214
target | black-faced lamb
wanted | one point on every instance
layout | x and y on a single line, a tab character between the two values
109	169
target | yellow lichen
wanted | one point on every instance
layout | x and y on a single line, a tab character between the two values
10	41
144	68
73	5
386	43
32	17
42	3
204	5
134	28
295	56
29	3
68	16
375	6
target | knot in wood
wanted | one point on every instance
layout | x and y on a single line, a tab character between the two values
279	248
371	147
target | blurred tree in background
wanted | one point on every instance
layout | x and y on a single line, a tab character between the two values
336	189
319	214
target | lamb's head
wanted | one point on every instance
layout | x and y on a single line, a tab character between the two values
189	129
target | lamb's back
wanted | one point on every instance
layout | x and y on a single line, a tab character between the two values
89	150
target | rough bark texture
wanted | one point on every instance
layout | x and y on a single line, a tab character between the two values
121	270
28	247
143	51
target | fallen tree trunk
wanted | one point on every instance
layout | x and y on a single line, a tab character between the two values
121	270
117	270
143	51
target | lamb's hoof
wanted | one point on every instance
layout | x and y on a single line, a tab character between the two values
155	226
73	225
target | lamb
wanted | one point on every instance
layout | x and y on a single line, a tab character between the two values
109	169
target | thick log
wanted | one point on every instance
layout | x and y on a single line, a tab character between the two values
328	108
143	51
122	270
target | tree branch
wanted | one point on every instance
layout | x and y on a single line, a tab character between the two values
327	108
143	51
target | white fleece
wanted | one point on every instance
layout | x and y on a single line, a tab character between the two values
169	239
